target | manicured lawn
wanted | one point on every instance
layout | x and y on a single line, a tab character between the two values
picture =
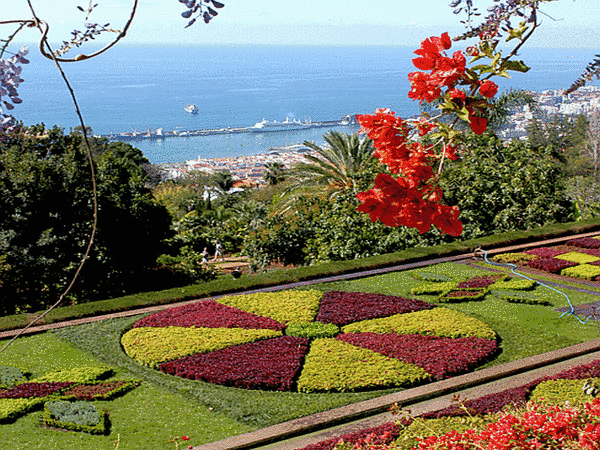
165	406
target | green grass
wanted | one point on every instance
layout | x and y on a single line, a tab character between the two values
165	406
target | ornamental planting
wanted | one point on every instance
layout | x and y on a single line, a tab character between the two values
314	342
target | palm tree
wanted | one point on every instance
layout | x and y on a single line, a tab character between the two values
340	165
274	173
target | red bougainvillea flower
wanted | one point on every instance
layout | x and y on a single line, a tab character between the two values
488	88
457	94
185	438
478	124
424	126
423	87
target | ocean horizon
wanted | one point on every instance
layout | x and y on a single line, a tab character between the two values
140	88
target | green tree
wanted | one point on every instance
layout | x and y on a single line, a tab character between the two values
223	180
46	192
502	187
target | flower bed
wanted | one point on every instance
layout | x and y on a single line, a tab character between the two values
152	346
552	265
208	314
584	271
441	322
585	242
334	365
480	282
441	357
284	306
342	308
434	288
579	258
99	391
516	258
271	364
311	355
76	416
28	390
545	252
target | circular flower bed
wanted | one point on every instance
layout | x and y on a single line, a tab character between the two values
308	341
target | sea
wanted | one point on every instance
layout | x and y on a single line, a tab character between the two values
140	88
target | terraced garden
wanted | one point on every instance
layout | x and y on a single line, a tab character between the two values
181	359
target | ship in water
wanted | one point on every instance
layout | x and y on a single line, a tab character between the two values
288	124
192	109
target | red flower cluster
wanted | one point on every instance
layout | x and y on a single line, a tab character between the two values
342	308
479	282
413	199
381	435
272	364
28	390
95	391
584	242
208	314
545	252
552	265
439	356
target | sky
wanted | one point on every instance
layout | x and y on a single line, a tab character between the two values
568	24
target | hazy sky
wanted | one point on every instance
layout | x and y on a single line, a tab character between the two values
302	22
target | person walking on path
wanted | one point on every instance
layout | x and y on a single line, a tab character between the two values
204	257
219	251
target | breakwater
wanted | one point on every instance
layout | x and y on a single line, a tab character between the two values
269	128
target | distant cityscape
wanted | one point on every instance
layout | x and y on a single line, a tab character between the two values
249	170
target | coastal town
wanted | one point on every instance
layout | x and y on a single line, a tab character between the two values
249	169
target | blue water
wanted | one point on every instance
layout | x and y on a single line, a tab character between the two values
135	88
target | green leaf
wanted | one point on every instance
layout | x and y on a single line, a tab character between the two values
517	66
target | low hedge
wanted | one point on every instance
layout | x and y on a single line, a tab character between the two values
558	392
225	285
76	416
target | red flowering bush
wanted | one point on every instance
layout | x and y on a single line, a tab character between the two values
271	364
441	357
208	314
28	390
553	265
546	252
479	282
585	242
342	308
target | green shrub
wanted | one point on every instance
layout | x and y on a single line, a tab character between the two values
462	295
514	284
557	392
434	288
585	271
333	365
11	408
312	330
151	346
85	374
514	258
76	416
9	376
442	322
521	297
579	258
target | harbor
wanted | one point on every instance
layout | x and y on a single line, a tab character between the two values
260	127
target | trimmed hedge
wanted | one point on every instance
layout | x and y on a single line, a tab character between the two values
9	376
579	258
85	374
312	330
584	271
462	295
76	416
434	288
515	258
558	392
12	408
225	285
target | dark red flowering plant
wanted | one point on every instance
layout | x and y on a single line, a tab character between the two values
414	151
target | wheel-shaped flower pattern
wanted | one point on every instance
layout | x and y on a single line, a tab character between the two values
310	341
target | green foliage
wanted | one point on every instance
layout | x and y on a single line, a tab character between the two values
514	258
558	392
462	295
333	365
514	284
83	374
528	298
152	346
585	271
434	322
579	258
12	408
584	192
9	376
501	188
46	220
76	416
312	330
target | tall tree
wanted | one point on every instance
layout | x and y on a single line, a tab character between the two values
274	173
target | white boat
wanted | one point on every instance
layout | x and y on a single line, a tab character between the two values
192	109
288	124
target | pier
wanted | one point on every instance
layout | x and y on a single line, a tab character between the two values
160	134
